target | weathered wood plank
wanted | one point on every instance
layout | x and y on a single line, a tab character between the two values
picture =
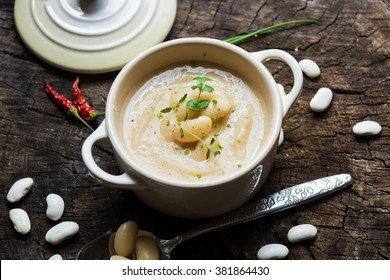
351	45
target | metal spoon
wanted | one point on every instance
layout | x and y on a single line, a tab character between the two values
276	202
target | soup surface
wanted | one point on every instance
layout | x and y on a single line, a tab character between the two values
194	123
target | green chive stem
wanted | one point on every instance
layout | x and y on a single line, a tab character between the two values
240	38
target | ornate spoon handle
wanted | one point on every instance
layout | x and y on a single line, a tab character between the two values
276	202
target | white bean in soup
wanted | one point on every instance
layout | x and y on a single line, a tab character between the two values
194	123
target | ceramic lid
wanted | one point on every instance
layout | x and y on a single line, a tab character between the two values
92	36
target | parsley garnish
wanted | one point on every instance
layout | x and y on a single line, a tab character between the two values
198	104
166	110
169	109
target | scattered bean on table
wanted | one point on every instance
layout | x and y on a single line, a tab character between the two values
55	257
310	68
301	232
55	206
273	251
367	128
61	232
321	100
20	220
281	137
19	189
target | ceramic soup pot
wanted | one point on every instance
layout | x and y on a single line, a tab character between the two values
194	198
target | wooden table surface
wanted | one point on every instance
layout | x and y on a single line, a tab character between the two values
351	44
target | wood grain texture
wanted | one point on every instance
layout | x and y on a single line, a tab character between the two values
352	47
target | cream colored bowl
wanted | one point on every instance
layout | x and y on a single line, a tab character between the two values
204	198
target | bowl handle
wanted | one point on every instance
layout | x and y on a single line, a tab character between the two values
288	99
123	181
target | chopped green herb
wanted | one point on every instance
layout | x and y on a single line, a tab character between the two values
181	132
186	152
197	105
203	104
199	176
193	105
220	147
239	165
208	153
169	109
238	141
212	141
202	83
182	99
216	153
208	88
214	118
215	102
166	110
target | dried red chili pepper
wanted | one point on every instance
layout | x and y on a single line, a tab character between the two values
86	111
63	103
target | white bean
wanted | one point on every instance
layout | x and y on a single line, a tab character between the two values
55	206
61	232
281	137
20	220
166	127
146	248
282	94
272	251
218	108
367	128
321	100
19	189
55	257
125	237
310	68
118	258
178	93
301	232
181	110
242	129
200	151
192	130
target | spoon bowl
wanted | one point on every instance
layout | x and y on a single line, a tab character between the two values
285	199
